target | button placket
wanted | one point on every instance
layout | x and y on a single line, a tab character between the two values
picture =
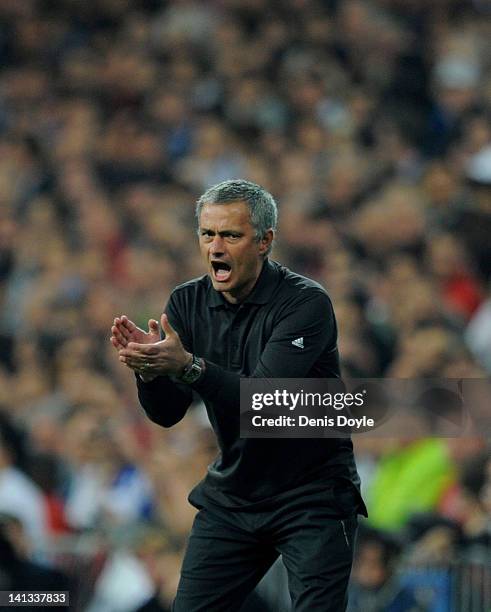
234	358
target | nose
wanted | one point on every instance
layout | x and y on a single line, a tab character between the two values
217	247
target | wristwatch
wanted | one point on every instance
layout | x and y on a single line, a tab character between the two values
192	371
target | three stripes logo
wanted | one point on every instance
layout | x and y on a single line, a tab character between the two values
298	342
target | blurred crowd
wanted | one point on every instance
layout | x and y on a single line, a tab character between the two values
370	123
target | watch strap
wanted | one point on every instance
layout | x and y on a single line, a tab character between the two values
192	371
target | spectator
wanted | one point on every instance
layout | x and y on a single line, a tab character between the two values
19	496
368	121
376	586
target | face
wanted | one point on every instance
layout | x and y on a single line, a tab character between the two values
369	570
229	246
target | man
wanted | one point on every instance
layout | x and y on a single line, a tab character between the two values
261	498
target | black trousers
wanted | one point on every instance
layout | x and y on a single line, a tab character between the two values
229	552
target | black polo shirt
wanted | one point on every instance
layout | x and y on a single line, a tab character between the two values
254	339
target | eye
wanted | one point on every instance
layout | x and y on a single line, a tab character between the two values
232	237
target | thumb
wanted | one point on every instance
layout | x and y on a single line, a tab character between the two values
153	327
167	327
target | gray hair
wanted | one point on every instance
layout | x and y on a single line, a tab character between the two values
262	207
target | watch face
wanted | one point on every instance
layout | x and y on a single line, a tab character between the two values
194	373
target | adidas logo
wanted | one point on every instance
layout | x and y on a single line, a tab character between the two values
298	342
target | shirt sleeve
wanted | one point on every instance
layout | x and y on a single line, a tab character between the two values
165	400
302	333
309	320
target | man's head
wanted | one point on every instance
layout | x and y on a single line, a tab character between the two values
236	224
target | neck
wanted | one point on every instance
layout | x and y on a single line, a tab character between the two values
241	293
236	297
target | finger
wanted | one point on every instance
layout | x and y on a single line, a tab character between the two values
137	364
119	337
115	342
122	329
133	362
133	349
167	327
153	326
131	365
128	324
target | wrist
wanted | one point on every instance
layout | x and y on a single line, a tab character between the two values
193	371
187	365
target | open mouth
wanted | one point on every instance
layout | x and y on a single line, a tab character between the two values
221	271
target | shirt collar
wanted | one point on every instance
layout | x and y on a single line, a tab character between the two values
261	294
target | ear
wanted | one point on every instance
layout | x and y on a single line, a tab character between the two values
266	241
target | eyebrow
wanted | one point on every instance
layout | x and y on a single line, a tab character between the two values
221	233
